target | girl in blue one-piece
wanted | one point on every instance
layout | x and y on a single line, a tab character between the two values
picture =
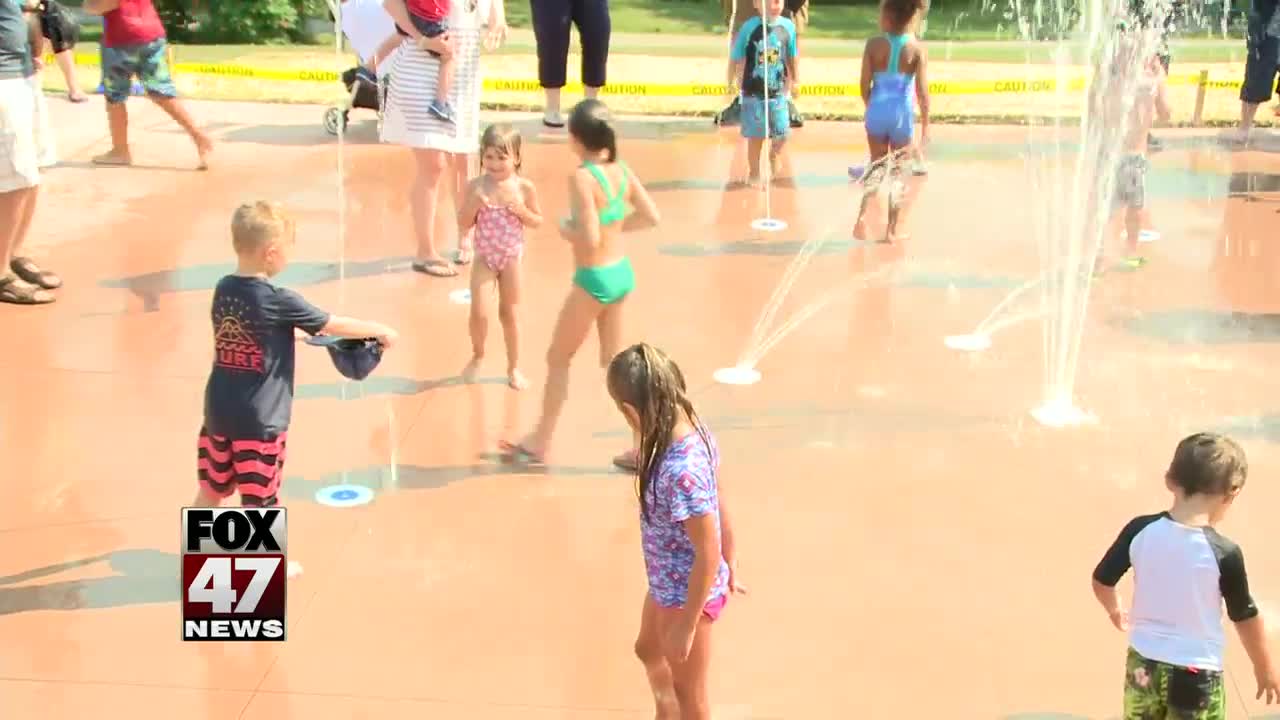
893	74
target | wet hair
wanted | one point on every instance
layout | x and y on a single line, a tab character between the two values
592	124
643	377
257	225
902	12
1208	464
503	138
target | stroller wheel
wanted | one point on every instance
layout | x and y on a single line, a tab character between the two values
334	120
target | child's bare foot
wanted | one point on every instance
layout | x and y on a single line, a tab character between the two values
860	231
517	380
526	451
115	157
204	148
472	368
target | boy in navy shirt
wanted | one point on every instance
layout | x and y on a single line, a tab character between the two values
248	400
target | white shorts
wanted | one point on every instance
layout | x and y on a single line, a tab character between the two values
19	148
46	150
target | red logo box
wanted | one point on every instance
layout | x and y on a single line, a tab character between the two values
233	574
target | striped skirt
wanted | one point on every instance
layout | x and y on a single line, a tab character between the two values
406	120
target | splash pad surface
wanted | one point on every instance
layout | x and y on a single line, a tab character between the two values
105	395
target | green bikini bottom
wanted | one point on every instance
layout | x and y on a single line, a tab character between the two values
607	283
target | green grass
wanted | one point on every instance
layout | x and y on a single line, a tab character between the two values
695	28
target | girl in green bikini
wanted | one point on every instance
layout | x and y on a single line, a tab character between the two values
599	192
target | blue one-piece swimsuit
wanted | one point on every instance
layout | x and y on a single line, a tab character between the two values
890	111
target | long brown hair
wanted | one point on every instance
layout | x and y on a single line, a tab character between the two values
643	377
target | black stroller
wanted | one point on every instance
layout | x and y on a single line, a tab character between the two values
366	94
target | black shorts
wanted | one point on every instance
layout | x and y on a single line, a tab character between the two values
1261	76
58	26
429	28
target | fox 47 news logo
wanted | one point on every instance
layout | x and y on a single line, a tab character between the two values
233	573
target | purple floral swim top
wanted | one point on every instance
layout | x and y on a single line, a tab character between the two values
683	487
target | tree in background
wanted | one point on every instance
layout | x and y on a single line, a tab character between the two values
254	22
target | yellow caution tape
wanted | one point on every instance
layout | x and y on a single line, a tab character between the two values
940	87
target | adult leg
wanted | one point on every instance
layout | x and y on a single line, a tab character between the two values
741	11
424	194
17	207
551	35
461	173
1166	60
153	69
1259	74
118	68
19	187
67	64
594	29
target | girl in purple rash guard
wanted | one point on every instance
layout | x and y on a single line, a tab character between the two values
685	530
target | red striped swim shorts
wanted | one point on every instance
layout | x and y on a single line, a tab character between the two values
253	467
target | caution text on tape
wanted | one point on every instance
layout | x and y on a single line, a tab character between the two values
940	87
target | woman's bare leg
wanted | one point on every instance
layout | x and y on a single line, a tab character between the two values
649	650
461	176
67	64
579	311
551	106
423	196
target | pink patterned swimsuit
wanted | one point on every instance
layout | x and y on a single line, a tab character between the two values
499	236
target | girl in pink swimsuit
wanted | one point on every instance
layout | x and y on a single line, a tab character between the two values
499	205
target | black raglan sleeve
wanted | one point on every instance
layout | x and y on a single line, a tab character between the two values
1115	562
1233	581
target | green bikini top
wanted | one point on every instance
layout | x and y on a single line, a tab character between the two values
614	210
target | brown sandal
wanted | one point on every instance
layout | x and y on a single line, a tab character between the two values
30	272
14	291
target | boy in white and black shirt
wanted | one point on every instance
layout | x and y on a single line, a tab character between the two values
1184	571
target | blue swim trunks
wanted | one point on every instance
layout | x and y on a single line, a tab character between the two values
753	116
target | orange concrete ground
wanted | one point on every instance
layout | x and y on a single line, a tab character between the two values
916	547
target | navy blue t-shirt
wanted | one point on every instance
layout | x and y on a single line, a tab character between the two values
249	395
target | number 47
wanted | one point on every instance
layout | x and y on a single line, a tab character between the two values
213	583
